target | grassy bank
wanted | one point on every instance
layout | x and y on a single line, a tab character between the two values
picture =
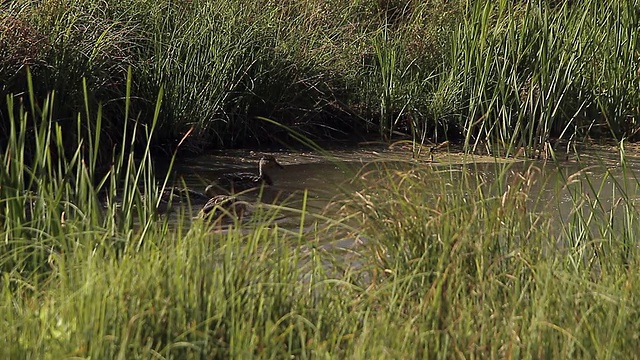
446	265
508	73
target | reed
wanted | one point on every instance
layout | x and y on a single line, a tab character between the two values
513	74
529	72
221	64
451	262
448	262
90	269
482	270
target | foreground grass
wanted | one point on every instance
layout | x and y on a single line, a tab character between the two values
470	269
445	264
476	271
464	275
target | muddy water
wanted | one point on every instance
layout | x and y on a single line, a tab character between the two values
321	176
326	175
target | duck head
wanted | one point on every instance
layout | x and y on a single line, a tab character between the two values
269	162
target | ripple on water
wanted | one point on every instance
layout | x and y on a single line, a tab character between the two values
327	175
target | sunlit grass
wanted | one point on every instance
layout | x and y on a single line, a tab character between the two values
308	64
445	263
482	268
532	71
513	74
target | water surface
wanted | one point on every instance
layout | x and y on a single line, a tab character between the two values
320	177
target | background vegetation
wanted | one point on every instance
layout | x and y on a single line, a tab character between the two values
511	73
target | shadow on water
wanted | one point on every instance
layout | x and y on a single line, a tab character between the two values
557	187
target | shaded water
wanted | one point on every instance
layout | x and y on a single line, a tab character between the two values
556	187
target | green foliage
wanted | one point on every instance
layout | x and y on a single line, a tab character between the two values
221	64
90	269
445	262
481	269
514	74
536	70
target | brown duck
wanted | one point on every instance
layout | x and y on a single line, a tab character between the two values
223	207
241	181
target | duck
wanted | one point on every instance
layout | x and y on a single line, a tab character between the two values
176	195
183	194
223	207
241	181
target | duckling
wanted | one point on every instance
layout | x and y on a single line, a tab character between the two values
223	207
237	182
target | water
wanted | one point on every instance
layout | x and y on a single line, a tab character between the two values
322	177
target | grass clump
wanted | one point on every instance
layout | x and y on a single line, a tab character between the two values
479	270
308	65
446	262
449	264
513	74
523	74
84	275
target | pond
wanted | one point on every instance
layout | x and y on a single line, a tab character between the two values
560	187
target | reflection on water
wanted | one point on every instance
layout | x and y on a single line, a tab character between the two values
556	187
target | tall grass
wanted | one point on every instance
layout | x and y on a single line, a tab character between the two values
515	74
305	64
84	276
537	70
481	270
51	194
446	263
